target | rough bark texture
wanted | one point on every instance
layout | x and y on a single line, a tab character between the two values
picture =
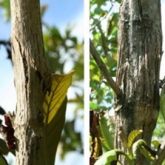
140	49
30	78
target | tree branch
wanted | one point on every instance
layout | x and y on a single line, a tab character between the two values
103	41
104	70
7	45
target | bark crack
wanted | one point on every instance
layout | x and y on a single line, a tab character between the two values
25	65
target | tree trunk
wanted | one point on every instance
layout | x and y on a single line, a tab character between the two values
140	50
31	76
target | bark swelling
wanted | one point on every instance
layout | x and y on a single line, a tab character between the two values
138	67
30	72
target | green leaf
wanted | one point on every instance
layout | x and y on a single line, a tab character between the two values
156	144
106	135
132	136
119	1
112	23
136	146
5	5
145	150
54	113
148	155
3	160
3	147
56	96
107	158
93	106
162	102
53	132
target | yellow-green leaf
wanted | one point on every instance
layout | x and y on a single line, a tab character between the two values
55	97
156	144
110	156
147	153
132	136
107	158
136	146
53	133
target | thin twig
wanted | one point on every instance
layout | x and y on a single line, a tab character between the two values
103	40
104	70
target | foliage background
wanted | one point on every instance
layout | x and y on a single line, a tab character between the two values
63	39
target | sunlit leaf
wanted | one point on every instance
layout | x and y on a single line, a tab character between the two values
136	146
132	137
56	95
156	144
108	157
148	155
5	5
93	106
53	132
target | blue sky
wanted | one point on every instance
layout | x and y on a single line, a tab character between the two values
60	13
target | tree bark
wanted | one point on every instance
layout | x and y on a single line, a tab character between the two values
140	50
31	77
